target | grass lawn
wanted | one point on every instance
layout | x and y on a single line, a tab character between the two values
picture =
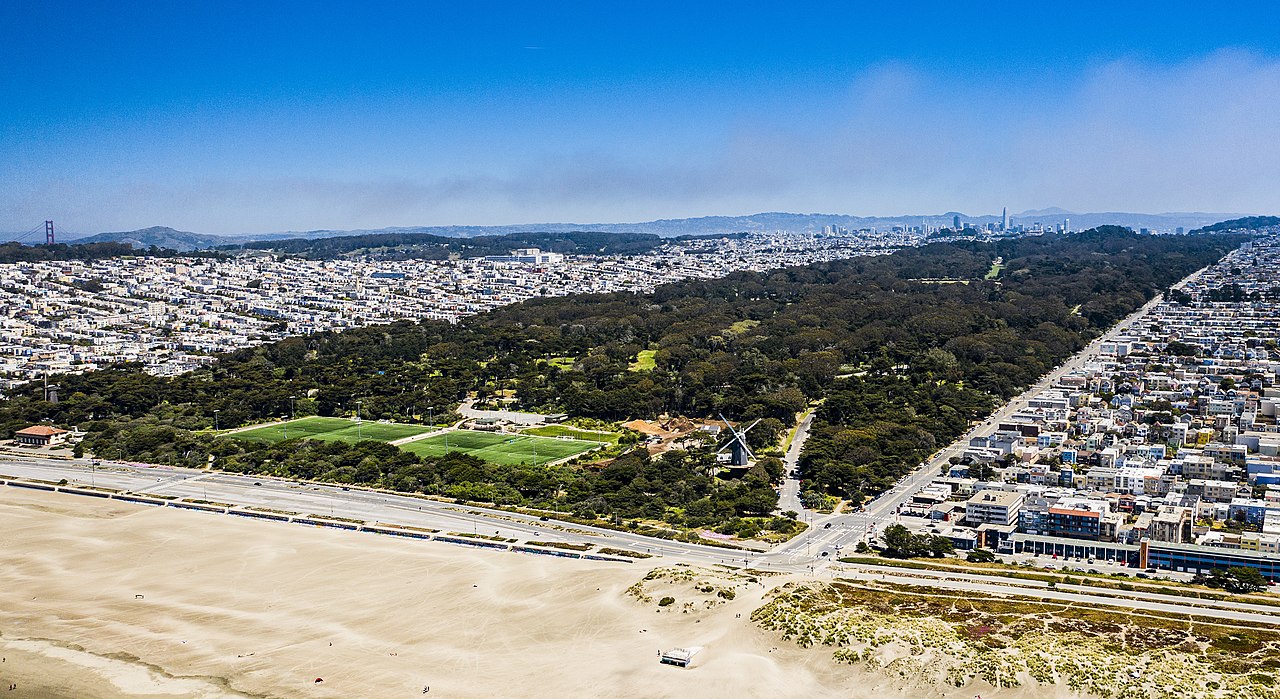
994	272
572	433
500	448
331	428
644	361
562	363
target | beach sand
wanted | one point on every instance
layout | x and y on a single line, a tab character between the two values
107	599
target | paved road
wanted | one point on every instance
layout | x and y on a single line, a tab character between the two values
803	554
833	534
789	498
1002	589
527	419
1039	587
352	503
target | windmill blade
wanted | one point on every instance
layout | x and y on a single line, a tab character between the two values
725	420
757	422
732	429
739	438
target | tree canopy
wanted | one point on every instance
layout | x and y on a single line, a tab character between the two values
901	362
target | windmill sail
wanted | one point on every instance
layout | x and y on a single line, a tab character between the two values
740	452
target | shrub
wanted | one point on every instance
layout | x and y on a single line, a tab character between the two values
980	556
666	601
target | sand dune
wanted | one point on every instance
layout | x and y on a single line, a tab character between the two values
103	599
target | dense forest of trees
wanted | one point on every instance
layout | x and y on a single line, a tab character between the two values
17	252
424	246
1246	223
904	350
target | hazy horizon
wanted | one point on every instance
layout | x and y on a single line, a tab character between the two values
287	118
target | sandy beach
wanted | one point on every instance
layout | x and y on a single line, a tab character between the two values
107	599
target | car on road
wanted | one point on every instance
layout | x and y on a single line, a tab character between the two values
257	482
824	554
827	525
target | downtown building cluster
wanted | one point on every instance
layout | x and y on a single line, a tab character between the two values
1162	449
173	315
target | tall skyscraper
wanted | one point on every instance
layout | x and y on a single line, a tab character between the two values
1004	219
955	223
1066	225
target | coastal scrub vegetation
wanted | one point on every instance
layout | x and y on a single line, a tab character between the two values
937	636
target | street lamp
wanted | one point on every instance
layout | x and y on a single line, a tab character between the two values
215	420
359	426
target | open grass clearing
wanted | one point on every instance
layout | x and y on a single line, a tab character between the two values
573	433
331	428
644	361
501	448
561	363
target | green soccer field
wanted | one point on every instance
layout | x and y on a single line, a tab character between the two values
331	428
500	448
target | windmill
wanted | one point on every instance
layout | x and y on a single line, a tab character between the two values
739	453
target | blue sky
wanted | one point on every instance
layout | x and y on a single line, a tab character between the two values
224	117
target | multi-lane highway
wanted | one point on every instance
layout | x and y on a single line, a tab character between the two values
246	493
377	509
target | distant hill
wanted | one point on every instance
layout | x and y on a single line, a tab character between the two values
802	223
1166	222
161	237
165	237
1246	223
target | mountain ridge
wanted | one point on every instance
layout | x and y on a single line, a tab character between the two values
164	236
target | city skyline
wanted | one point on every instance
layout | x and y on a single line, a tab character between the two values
227	121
